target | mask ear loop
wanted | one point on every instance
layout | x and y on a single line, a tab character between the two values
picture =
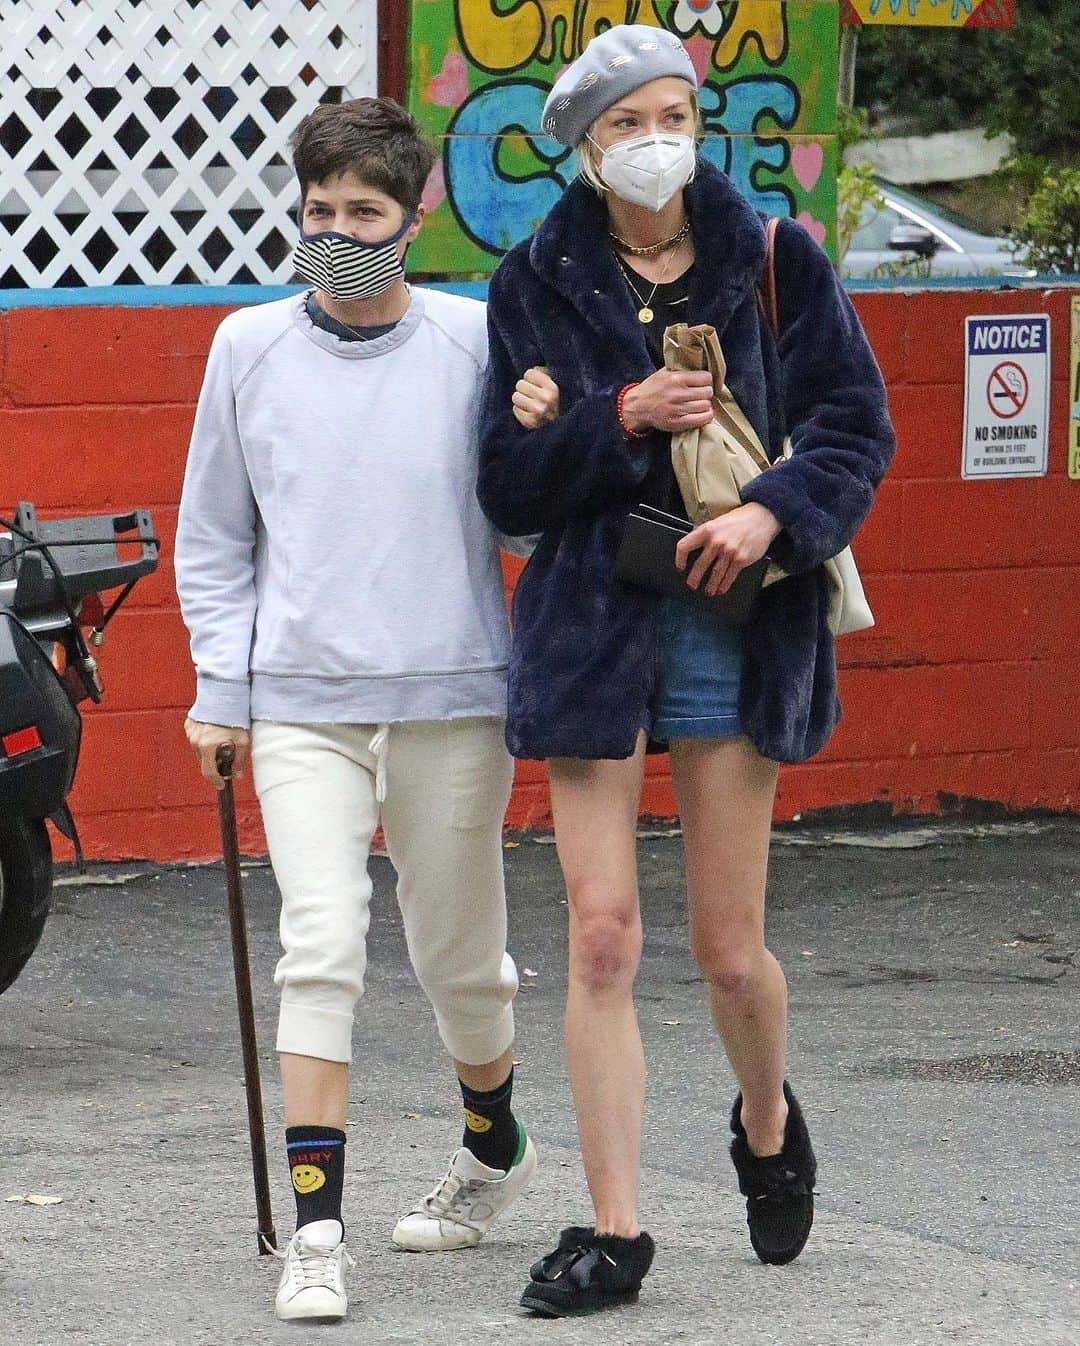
593	177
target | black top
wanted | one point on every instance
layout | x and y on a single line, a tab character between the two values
321	318
669	305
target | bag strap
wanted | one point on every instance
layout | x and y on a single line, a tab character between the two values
767	292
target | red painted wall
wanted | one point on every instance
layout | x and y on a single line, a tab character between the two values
968	686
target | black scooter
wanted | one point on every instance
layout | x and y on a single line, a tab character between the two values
52	575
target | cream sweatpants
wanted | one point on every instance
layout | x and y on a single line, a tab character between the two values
441	788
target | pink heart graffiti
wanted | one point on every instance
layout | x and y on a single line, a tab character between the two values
450	87
807	161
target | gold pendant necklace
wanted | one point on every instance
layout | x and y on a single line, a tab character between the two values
645	313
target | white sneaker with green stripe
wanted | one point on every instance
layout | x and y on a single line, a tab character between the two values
460	1211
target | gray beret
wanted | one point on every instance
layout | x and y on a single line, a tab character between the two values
613	64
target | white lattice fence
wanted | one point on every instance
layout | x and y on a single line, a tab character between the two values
146	141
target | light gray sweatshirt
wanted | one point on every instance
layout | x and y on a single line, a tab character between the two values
332	561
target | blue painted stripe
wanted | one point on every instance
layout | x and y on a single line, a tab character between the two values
207	296
178	296
144	296
311	1144
994	284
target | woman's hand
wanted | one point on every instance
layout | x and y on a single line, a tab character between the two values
729	544
670	399
536	398
205	739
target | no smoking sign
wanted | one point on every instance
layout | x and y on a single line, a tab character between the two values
1007	396
1007	390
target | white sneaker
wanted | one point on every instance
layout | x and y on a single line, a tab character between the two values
460	1211
313	1277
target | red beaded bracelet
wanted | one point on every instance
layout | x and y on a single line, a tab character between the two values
627	429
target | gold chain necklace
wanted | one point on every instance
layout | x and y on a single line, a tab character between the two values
645	313
653	248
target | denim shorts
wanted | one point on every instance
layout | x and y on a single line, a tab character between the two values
699	664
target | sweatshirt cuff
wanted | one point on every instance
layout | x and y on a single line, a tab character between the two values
224	702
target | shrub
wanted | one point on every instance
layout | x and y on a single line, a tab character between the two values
1047	235
855	188
1021	80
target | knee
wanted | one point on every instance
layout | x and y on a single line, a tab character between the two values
605	947
731	972
480	985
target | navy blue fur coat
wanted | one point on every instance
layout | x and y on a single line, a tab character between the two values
583	661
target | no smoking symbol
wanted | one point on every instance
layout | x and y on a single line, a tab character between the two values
1007	390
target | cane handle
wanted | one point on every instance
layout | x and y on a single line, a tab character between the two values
224	759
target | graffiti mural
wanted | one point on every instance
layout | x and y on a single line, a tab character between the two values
480	71
931	13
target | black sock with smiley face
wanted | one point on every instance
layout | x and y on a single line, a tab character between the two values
317	1166
492	1133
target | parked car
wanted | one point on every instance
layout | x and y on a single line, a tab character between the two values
911	233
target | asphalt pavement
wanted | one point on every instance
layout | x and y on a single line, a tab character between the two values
935	1044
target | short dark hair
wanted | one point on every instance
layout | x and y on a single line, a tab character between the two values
374	137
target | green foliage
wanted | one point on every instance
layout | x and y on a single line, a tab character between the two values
903	268
1021	175
1022	80
855	188
1048	232
852	125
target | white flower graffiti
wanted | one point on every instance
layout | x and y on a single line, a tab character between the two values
698	15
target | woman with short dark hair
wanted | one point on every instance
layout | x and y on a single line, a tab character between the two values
344	597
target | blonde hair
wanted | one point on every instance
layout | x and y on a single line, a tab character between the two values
589	153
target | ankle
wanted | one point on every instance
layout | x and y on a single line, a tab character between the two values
765	1128
492	1133
316	1156
611	1225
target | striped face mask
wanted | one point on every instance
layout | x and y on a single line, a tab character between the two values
348	268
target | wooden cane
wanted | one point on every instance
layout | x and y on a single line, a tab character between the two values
224	760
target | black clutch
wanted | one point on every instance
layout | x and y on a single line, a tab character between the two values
646	560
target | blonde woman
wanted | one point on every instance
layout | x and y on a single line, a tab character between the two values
576	425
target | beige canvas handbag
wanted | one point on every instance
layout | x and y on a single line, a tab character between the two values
714	462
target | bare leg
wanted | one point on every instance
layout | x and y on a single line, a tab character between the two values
486	1077
315	1091
595	808
725	792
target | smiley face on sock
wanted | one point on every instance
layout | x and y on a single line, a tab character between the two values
475	1122
307	1178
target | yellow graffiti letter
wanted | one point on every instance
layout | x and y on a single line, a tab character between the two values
500	41
761	21
552	31
596	15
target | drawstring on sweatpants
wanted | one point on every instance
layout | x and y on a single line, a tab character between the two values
380	747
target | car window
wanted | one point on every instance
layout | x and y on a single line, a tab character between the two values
874	229
942	215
